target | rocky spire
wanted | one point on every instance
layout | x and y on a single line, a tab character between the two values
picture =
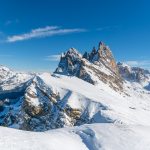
94	67
106	57
69	62
86	55
93	53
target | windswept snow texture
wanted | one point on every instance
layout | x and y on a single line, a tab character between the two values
86	137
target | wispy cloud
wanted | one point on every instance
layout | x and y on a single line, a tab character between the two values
43	32
52	58
142	63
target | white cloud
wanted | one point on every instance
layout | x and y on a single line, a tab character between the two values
47	28
52	58
43	32
142	63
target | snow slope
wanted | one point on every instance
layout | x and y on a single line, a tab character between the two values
121	121
133	108
86	137
12	83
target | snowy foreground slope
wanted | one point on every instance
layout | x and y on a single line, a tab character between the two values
87	137
127	128
89	103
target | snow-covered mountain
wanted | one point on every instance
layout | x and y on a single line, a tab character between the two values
134	74
12	83
101	104
94	67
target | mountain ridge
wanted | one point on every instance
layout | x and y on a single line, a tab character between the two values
98	64
84	89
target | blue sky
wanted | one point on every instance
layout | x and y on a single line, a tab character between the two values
34	32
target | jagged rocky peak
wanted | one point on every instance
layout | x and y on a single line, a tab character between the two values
104	55
95	67
69	61
72	53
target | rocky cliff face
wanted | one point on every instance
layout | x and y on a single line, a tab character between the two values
105	56
69	62
98	65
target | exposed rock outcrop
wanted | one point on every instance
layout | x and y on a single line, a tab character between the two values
105	56
42	108
69	62
94	67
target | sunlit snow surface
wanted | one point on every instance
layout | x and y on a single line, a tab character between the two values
128	129
132	109
86	137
